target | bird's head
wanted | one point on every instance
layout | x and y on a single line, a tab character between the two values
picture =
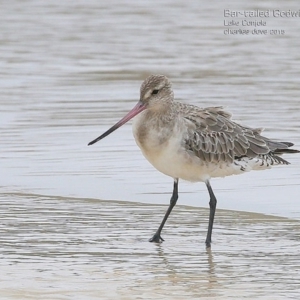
156	92
156	95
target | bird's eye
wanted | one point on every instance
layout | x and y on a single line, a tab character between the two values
154	92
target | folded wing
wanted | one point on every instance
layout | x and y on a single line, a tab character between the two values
214	137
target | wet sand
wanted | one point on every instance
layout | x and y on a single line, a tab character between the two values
72	248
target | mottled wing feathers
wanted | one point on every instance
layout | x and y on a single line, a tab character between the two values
214	137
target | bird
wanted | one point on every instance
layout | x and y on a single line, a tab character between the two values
195	144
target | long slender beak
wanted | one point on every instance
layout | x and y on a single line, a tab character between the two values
136	110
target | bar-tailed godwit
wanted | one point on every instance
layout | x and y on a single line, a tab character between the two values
195	144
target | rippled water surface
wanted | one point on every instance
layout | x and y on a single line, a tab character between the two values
68	248
75	220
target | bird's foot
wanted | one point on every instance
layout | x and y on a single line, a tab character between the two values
156	238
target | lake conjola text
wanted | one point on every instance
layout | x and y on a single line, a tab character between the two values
245	23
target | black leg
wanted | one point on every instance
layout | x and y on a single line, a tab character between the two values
156	237
212	210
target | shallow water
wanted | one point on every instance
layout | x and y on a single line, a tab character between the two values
68	72
71	248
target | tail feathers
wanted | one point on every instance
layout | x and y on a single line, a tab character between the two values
274	145
289	144
280	147
282	151
279	160
279	151
270	159
276	149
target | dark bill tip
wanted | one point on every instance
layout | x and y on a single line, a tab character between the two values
136	110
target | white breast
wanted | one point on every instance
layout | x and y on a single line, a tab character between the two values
163	148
